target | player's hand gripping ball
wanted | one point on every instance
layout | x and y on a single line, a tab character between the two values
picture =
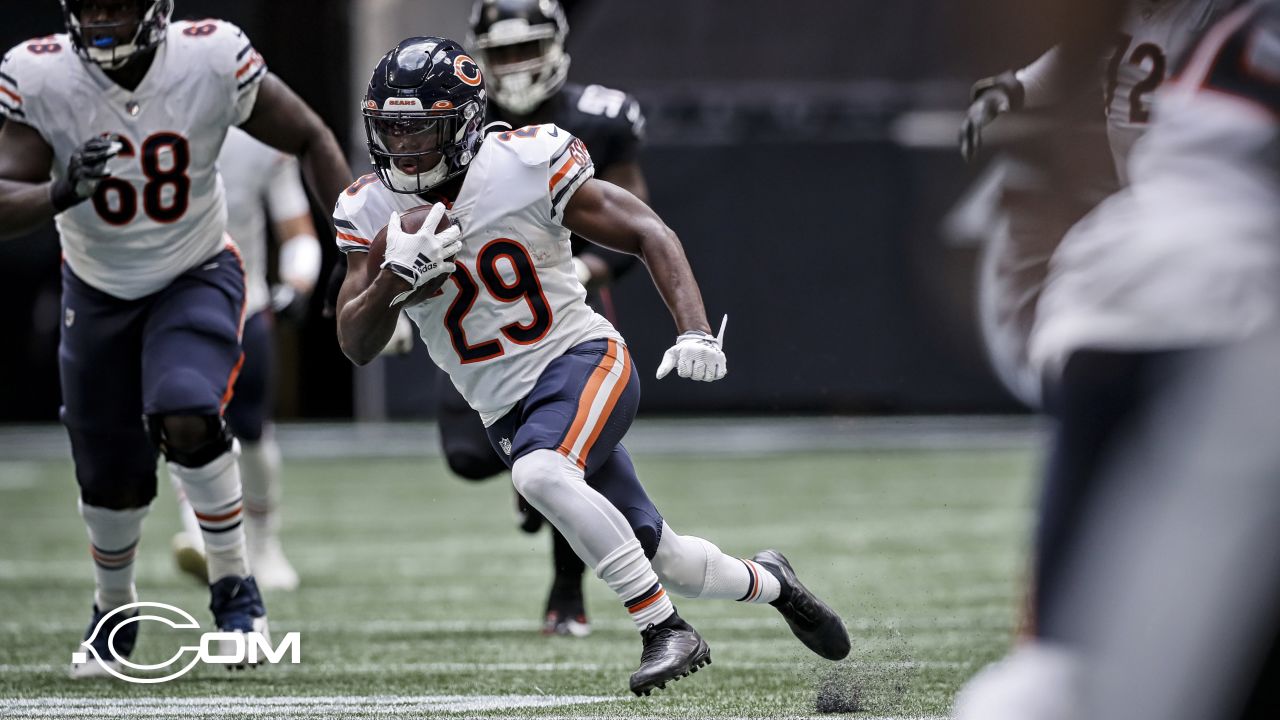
417	246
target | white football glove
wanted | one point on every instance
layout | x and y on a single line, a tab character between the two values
419	257
401	342
697	356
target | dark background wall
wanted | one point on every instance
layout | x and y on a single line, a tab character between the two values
772	152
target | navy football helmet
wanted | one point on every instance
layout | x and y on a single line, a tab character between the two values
424	113
521	44
98	41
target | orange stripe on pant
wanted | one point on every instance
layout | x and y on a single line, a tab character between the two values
614	356
624	377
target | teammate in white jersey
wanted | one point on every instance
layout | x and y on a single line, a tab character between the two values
263	185
552	380
113	129
1184	259
1153	35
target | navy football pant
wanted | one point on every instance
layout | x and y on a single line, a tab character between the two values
248	410
575	410
1098	402
175	352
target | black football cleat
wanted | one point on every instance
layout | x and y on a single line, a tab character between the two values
817	626
566	613
672	650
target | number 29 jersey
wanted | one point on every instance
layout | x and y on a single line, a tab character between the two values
514	303
162	211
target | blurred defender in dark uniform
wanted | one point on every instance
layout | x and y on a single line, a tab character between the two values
520	44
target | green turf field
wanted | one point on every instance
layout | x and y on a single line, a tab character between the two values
421	599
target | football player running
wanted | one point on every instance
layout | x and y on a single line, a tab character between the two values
263	187
1153	36
113	129
520	46
552	380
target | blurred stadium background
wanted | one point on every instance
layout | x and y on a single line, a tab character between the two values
805	156
805	153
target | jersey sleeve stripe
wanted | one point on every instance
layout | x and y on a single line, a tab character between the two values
16	97
262	70
345	224
240	55
572	184
564	170
248	65
7	109
352	238
560	153
9	79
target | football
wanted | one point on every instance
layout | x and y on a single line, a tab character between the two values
411	221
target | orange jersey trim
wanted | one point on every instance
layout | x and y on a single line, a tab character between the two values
11	93
352	238
245	68
564	170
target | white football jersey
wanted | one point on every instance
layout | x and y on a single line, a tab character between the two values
1189	254
514	304
1155	36
163	211
262	184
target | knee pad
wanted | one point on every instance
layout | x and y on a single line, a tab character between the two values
115	470
681	563
212	442
537	475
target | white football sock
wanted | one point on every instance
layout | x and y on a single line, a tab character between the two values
260	476
190	525
113	543
597	531
215	495
693	567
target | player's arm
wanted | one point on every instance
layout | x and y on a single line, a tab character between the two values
25	198
368	309
300	255
615	219
366	317
282	120
600	268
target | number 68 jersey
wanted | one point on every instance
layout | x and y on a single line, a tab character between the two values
514	303
162	210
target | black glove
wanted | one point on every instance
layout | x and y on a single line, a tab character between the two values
87	168
991	96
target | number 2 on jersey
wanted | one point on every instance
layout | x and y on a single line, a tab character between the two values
525	286
1143	53
165	159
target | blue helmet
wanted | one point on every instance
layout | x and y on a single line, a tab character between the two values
96	42
424	113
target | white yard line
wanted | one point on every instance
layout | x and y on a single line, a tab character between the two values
536	667
977	619
315	706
